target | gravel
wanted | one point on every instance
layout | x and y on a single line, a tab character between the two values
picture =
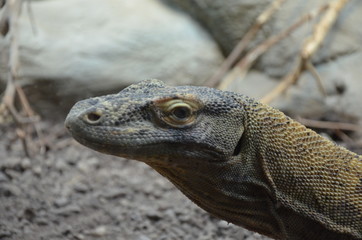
72	192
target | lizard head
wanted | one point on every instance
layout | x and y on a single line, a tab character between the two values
155	123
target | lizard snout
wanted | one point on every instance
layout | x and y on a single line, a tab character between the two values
77	118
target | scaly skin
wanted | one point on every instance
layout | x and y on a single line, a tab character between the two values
238	159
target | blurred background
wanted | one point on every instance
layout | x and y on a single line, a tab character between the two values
302	56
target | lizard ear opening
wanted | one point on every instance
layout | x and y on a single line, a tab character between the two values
238	146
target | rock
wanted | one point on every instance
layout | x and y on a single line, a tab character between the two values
223	224
11	163
80	237
9	190
6	233
61	201
28	214
154	215
37	170
255	236
13	174
81	187
26	163
99	231
3	177
143	237
105	47
41	221
88	165
113	193
255	85
61	165
68	210
228	21
342	82
343	39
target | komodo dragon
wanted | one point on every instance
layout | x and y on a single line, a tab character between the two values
240	160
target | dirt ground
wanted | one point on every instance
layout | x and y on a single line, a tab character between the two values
72	192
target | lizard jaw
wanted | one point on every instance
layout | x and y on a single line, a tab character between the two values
132	143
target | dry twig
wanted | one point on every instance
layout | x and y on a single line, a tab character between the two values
13	90
31	16
311	45
322	28
344	137
309	66
243	66
330	125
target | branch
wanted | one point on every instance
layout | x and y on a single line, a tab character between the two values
246	62
330	125
13	90
309	48
243	43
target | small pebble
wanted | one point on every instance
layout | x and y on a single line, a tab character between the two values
99	231
42	221
37	170
11	162
223	224
68	210
154	215
88	165
61	165
26	163
81	187
9	190
80	237
61	202
143	237
112	193
13	174
3	177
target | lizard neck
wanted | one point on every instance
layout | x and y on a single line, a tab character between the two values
230	191
309	175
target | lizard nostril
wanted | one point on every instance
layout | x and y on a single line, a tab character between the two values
93	117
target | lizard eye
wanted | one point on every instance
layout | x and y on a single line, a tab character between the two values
181	113
178	112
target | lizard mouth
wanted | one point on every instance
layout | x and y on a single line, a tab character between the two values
130	143
140	143
126	142
106	137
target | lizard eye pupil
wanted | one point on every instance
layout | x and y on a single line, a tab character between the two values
181	113
178	113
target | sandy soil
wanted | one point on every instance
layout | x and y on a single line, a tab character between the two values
75	193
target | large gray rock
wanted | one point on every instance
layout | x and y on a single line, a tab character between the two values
229	20
86	47
336	61
344	38
342	80
226	20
